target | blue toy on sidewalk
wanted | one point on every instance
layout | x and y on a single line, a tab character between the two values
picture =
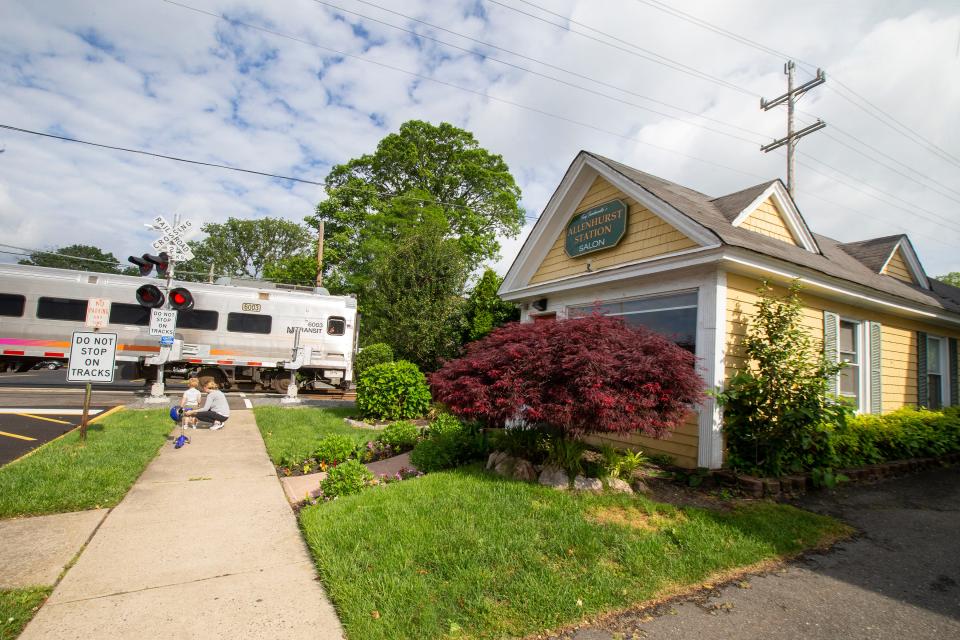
176	414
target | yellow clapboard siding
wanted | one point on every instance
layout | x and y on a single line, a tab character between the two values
681	445
647	236
767	219
898	337
897	267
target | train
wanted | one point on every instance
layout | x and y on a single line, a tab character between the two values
238	332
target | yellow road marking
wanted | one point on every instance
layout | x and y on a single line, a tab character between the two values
13	435
106	413
30	415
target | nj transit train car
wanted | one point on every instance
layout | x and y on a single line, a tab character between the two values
246	331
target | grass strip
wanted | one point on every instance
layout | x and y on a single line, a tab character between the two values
466	554
292	435
17	607
69	475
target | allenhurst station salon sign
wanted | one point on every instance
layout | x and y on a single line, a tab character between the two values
599	228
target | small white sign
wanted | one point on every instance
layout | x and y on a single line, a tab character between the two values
163	322
98	313
92	357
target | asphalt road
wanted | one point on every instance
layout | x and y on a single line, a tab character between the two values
25	428
899	579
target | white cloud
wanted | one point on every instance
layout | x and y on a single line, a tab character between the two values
181	83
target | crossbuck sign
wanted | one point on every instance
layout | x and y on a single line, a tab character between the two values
173	240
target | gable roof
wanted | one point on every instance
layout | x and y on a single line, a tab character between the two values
833	259
873	253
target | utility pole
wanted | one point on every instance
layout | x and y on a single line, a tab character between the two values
320	255
790	98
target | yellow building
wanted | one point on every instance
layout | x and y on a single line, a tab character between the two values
688	265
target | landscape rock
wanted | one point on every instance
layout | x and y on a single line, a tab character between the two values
640	486
581	483
618	486
554	477
495	458
523	470
504	466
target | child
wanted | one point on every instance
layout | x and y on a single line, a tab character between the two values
216	410
190	400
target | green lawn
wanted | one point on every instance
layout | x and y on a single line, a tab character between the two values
292	435
17	607
466	554
67	475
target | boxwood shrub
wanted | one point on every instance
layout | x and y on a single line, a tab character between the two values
346	479
370	356
898	435
393	391
449	443
335	449
401	435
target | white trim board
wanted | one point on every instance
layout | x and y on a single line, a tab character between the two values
791	215
912	260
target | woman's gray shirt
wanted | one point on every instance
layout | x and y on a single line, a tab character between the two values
217	402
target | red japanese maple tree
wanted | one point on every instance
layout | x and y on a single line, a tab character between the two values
584	375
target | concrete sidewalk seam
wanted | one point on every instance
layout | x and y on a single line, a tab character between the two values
183	583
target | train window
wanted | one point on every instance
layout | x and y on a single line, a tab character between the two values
198	319
249	323
336	326
11	305
62	309
122	313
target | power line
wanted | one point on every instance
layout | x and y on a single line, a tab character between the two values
897	126
155	155
635	50
548	65
482	94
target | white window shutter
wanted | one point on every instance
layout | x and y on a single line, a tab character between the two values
831	331
876	382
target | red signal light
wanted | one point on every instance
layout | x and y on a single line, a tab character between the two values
149	296
181	299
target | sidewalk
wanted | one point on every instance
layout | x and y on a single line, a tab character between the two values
204	546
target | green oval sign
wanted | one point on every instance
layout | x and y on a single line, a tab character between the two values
597	229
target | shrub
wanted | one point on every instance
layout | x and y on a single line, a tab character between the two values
567	454
592	374
335	449
523	442
449	443
346	479
400	436
393	391
899	435
776	410
370	356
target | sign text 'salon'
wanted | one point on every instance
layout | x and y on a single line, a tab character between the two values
596	229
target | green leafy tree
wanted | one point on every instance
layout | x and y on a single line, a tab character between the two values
952	278
421	175
296	269
414	301
484	310
244	248
777	413
79	257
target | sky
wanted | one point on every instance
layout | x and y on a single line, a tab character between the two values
294	87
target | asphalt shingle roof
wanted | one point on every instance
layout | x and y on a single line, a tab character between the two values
852	261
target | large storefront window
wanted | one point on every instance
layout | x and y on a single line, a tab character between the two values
673	315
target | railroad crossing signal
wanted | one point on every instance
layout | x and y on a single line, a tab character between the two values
173	240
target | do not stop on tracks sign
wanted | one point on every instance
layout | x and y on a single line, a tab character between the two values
92	357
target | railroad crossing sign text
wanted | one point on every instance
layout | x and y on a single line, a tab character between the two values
92	357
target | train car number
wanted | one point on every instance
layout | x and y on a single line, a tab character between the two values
249	306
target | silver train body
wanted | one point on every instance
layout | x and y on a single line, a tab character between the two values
237	332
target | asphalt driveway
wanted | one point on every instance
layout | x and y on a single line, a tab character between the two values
899	579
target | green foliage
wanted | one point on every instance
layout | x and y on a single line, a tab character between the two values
421	175
292	437
244	248
529	443
393	391
335	449
775	410
952	278
401	436
346	479
370	355
661	459
484	310
17	608
298	269
620	464
79	257
899	435
449	443
567	454
414	301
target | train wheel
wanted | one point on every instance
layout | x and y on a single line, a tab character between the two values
280	384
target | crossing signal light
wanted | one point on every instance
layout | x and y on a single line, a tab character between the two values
144	266
161	261
181	299
149	296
